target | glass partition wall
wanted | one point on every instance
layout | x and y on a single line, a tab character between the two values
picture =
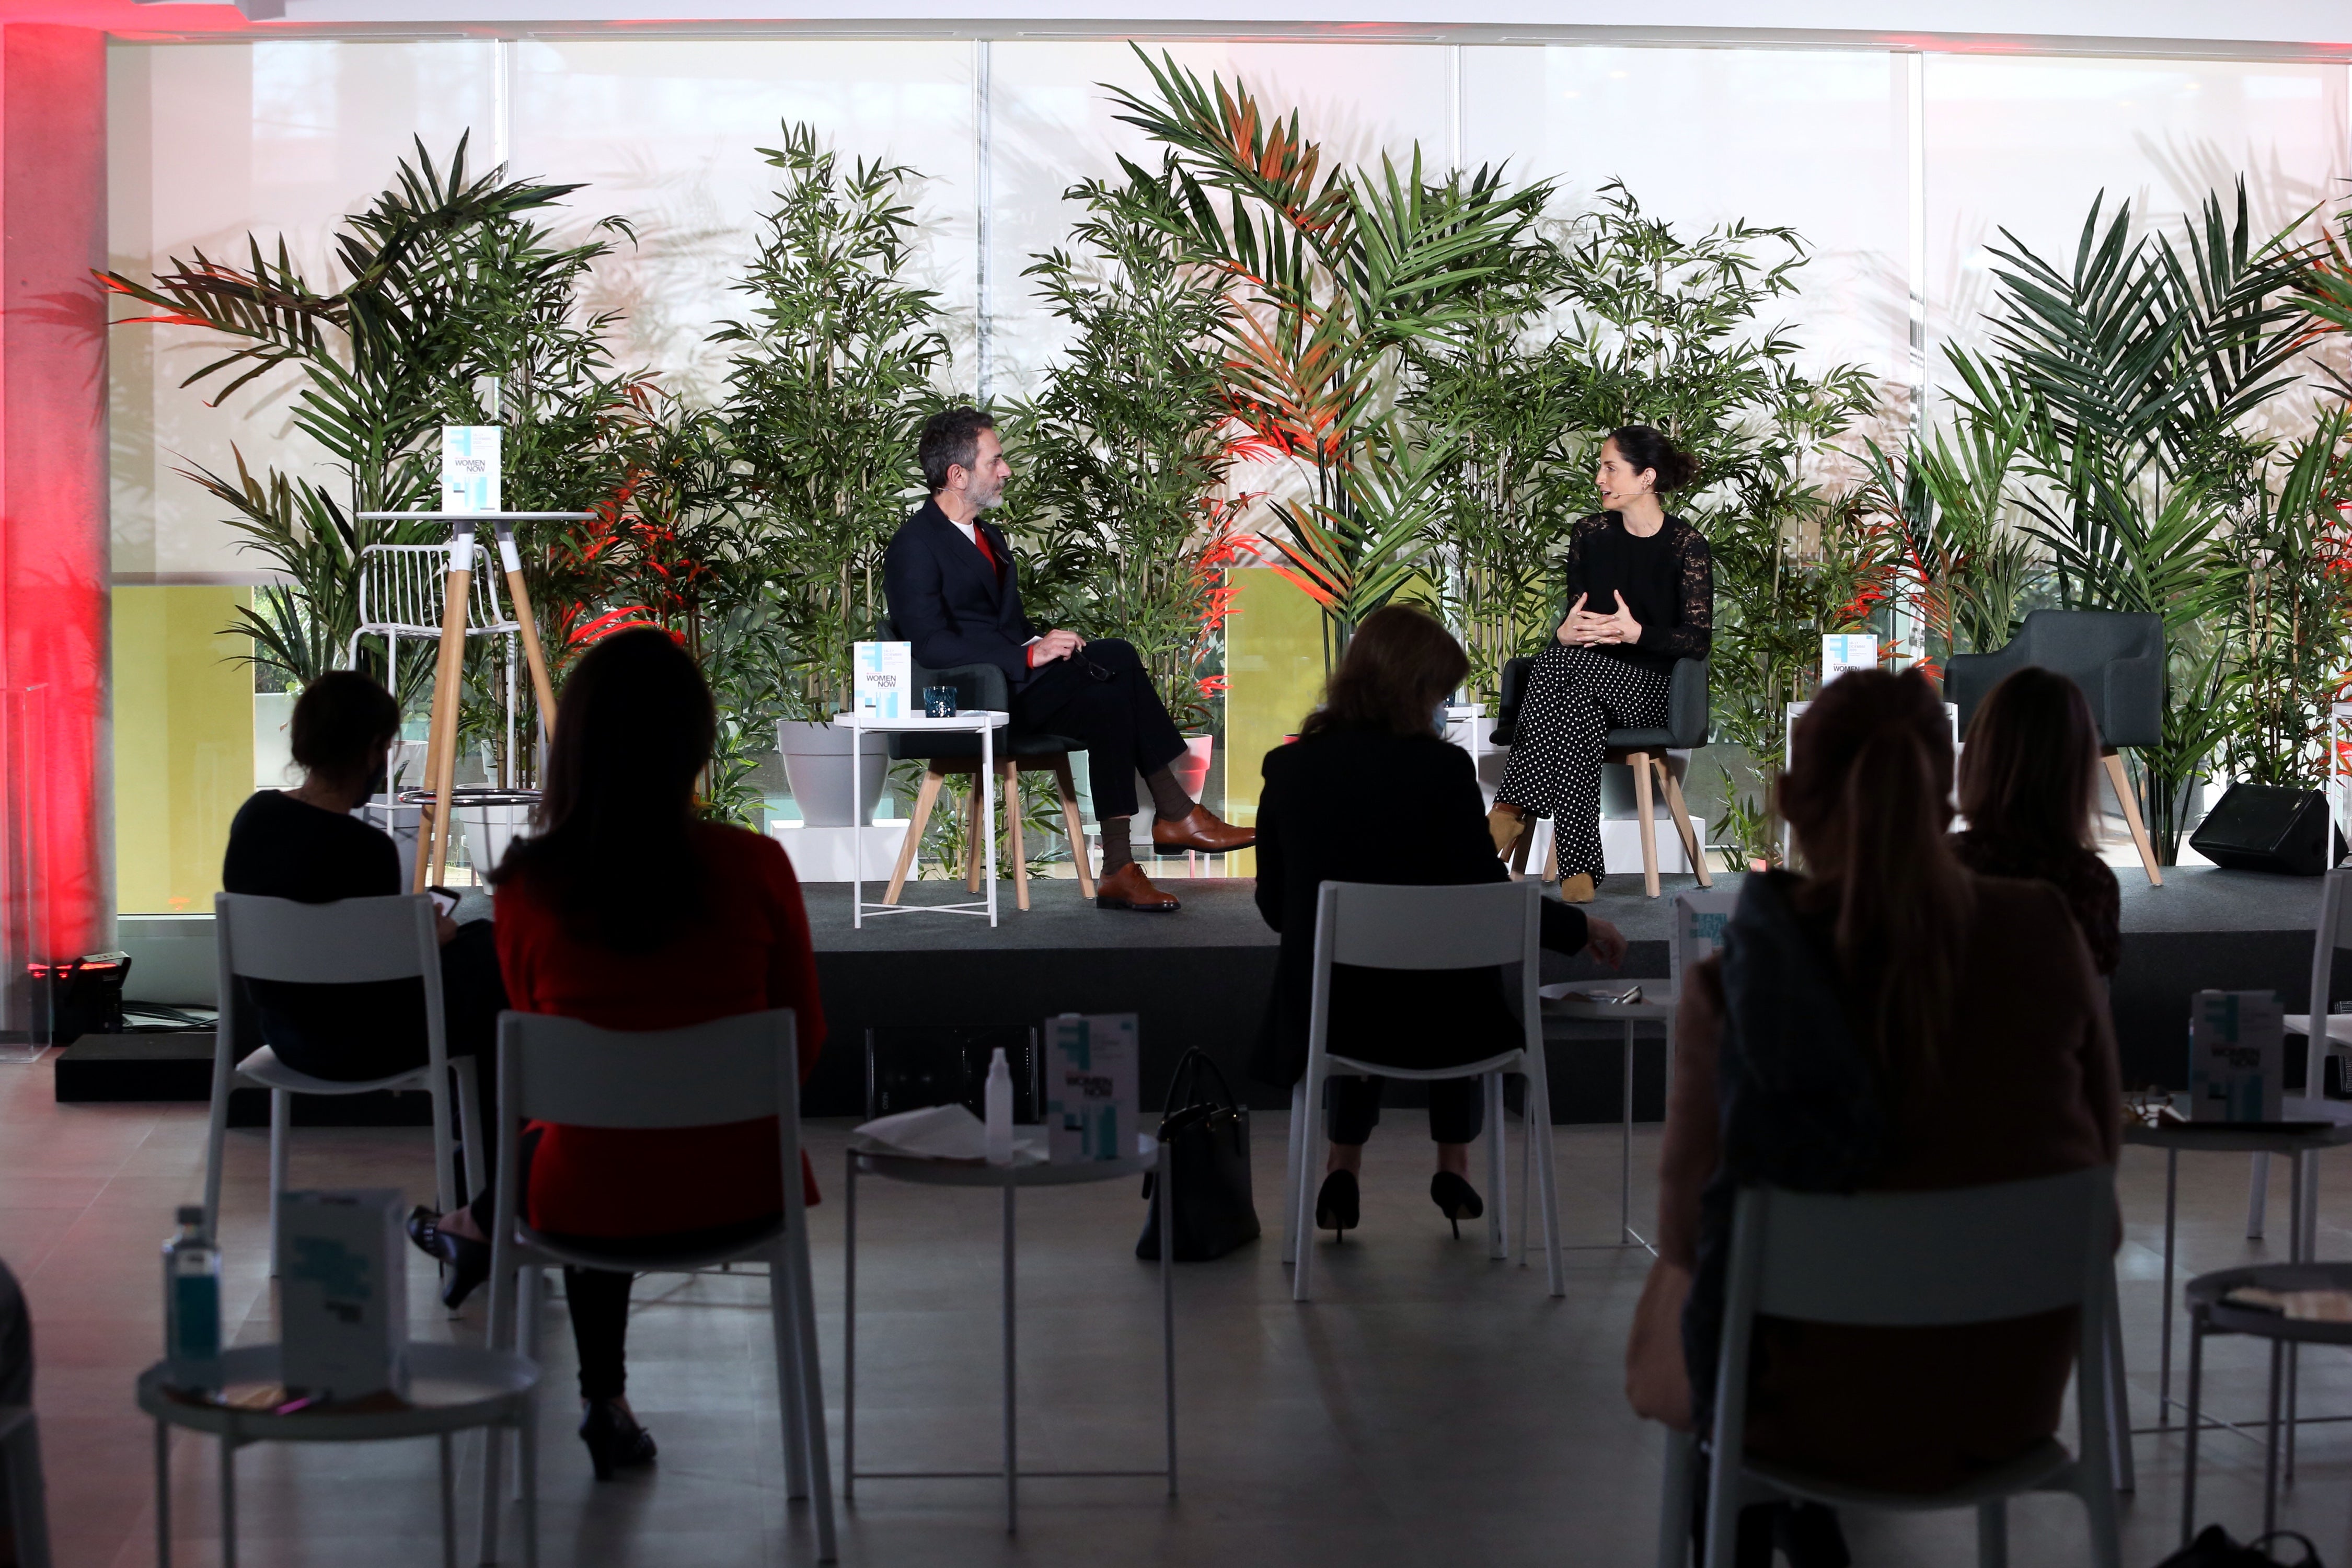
1898	170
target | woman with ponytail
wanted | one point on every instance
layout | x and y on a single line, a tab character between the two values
1640	595
1887	1020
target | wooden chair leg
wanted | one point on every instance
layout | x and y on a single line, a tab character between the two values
1010	771
1068	790
1682	824
973	827
1649	824
924	800
2130	803
1552	852
1520	850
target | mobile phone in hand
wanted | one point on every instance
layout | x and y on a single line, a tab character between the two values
445	902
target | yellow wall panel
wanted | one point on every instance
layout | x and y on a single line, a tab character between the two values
1274	678
183	742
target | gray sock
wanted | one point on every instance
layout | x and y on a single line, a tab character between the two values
1116	850
1167	796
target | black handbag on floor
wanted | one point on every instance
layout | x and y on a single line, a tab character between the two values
1207	1145
2213	1548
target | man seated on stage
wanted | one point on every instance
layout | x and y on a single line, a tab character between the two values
950	578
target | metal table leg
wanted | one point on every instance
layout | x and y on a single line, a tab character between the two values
163	1495
2164	1355
1625	1148
849	1329
2294	1172
1165	1187
2270	1443
1012	1470
228	1501
449	1506
2189	1462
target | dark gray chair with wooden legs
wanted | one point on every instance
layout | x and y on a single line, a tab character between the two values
1686	730
2115	657
982	686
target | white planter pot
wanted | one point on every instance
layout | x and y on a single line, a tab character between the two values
816	761
1191	771
488	831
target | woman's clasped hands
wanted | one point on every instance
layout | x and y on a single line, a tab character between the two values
1589	628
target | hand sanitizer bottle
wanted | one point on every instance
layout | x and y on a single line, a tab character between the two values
999	1105
191	1319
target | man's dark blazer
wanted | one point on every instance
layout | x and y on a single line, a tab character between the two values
946	602
1365	805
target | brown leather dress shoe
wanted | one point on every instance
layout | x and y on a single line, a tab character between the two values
1128	888
1204	830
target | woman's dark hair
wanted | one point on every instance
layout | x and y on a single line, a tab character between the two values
1398	668
950	438
613	852
2031	769
340	719
1868	796
1647	448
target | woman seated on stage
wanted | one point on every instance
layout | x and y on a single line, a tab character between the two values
626	911
305	844
1640	595
2028	784
1372	792
1948	1031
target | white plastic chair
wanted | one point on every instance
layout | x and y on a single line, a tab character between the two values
2334	1037
28	1511
1961	1255
1374	925
347	943
731	1069
402	588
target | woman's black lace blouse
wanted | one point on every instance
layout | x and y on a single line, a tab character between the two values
1666	580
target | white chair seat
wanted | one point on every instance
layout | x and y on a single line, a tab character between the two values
263	1068
2036	1469
2339	1027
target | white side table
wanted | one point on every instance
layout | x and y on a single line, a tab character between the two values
1569	1002
981	721
452	1388
1010	1179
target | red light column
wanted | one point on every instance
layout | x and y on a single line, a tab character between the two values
53	541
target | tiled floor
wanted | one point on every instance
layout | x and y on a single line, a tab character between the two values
1431	1407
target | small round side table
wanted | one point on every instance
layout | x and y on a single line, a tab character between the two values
452	1388
2211	1311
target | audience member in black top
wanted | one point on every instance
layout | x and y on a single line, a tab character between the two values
303	844
1318	820
2028	784
1640	595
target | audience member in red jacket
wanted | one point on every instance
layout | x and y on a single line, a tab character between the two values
627	912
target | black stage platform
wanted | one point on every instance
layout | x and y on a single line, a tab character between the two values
1200	977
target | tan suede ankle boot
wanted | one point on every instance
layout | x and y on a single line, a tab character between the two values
1506	823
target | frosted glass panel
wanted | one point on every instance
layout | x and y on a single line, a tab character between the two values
667	132
1051	126
1814	141
2025	144
209	144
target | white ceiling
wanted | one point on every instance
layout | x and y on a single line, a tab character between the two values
2250	28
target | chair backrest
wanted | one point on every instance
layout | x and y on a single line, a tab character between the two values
2116	657
912	1068
1697	934
2335	931
1384	925
1686	704
730	1070
346	942
402	588
1958	1254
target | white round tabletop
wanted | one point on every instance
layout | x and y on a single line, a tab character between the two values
970	719
451	1388
977	1173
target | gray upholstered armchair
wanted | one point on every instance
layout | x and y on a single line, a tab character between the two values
1643	751
2115	657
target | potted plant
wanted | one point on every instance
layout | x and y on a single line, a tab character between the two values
1121	492
826	389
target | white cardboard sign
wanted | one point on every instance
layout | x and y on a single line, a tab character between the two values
1091	1104
884	672
2236	1056
471	475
